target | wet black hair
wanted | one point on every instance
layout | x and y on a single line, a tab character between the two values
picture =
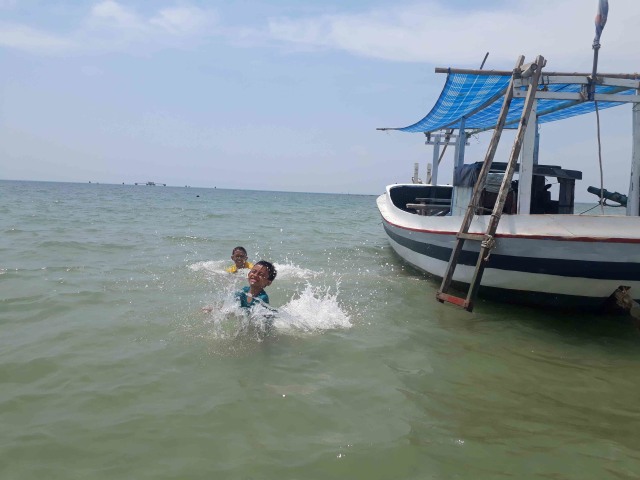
242	249
272	270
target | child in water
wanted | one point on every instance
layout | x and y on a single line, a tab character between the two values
260	276
239	257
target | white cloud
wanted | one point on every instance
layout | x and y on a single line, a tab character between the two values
182	20
112	26
434	33
114	14
22	37
429	32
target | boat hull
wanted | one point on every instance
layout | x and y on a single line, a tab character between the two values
566	261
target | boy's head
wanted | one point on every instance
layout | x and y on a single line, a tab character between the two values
270	268
239	256
262	274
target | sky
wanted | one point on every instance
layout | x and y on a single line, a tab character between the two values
281	94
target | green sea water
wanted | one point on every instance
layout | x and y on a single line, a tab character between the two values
110	369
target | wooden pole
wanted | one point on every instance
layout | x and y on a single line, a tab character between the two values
436	155
526	163
633	199
507	73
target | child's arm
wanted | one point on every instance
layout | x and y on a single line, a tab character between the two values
242	297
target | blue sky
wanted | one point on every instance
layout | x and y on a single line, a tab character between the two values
278	95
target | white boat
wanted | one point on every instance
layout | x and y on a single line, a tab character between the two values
535	248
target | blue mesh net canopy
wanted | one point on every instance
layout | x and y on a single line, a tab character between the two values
480	99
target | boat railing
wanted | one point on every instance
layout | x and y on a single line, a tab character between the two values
430	206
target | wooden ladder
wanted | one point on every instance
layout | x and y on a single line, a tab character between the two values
488	238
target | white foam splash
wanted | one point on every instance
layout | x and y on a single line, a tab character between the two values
316	309
228	320
217	269
285	271
289	271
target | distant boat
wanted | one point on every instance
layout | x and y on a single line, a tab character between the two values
153	184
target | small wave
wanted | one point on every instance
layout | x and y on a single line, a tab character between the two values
75	246
210	266
187	239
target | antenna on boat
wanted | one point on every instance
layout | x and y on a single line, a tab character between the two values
484	60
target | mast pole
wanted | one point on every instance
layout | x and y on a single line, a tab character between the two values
436	156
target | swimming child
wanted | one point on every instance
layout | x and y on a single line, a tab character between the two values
239	257
260	276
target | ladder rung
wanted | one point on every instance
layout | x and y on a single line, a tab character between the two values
445	297
471	236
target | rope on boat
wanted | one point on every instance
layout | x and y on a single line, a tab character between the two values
600	21
601	201
598	204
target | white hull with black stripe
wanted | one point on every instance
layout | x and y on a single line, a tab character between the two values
574	261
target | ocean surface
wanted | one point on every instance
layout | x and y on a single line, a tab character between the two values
109	368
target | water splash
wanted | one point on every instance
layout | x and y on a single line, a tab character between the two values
286	271
311	309
315	310
211	267
290	271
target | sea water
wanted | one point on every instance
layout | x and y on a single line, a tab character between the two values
110	369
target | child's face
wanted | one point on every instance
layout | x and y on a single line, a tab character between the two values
239	257
259	276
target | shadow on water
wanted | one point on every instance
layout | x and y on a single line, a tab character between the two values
581	327
574	326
